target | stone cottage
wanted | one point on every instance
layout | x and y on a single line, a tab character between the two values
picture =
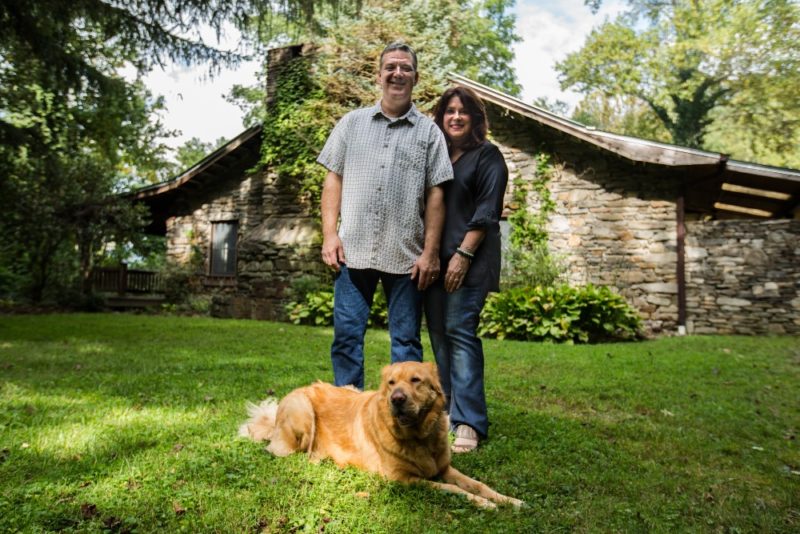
696	242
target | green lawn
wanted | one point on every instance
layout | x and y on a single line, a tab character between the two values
127	423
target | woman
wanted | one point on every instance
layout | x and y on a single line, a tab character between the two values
470	256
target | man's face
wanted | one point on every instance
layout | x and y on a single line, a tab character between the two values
397	76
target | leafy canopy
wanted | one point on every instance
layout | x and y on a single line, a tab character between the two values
74	131
339	74
716	74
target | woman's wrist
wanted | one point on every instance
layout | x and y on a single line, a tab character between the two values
465	253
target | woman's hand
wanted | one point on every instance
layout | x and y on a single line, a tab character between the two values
457	269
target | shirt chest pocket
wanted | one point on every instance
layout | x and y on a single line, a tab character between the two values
411	159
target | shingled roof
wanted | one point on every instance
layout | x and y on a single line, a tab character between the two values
714	184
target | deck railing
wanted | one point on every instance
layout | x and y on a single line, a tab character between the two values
122	280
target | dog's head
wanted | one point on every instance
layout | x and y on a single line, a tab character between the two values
413	394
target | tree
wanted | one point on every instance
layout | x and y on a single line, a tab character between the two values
73	131
623	113
315	91
194	150
697	65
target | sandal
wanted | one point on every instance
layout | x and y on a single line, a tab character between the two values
466	439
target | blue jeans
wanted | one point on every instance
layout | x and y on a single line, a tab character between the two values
452	320
353	291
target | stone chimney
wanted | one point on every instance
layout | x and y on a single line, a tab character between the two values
277	59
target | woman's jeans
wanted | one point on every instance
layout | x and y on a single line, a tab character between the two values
452	320
353	291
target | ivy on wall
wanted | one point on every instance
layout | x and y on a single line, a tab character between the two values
295	128
527	261
529	229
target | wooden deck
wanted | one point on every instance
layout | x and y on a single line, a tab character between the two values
128	288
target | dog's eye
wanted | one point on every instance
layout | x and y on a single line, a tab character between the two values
391	382
415	379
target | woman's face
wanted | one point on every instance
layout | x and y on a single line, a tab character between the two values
457	123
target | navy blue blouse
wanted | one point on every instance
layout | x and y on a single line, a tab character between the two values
474	200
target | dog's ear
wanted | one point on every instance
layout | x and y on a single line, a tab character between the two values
385	372
434	376
433	369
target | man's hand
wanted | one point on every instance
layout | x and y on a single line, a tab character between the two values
332	251
457	269
425	270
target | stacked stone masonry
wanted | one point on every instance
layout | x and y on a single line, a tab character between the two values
277	243
615	224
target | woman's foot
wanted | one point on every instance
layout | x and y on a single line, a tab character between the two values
466	439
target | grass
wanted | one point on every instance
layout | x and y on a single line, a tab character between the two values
127	423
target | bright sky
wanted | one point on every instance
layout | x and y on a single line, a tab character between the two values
550	29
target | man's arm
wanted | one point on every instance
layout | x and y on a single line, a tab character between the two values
426	268
332	249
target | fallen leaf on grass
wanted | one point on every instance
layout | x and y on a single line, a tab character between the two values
112	523
88	510
178	508
178	447
362	494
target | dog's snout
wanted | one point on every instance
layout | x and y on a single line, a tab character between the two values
398	397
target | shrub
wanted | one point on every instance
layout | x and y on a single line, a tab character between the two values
587	314
316	308
534	266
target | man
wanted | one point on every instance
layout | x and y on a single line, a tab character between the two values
385	165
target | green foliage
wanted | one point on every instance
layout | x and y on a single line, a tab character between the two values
622	114
469	36
529	228
717	74
194	150
587	314
316	308
527	259
181	281
534	266
295	128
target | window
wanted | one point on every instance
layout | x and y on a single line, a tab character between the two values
223	248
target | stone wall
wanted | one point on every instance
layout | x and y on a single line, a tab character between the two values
743	277
614	224
611	225
277	242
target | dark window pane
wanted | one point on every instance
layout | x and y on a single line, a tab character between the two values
223	248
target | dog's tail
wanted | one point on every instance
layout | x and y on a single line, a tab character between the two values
261	424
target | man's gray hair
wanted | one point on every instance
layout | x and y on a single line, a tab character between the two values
401	46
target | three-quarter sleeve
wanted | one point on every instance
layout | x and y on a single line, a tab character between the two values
489	187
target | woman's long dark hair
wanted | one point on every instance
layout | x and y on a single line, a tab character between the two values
473	105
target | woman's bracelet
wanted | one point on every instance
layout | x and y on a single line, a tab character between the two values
461	252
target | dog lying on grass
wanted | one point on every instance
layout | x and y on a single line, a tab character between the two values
399	431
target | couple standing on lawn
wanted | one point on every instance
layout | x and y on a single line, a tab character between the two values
410	195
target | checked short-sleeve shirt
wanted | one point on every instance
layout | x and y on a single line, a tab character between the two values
386	165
